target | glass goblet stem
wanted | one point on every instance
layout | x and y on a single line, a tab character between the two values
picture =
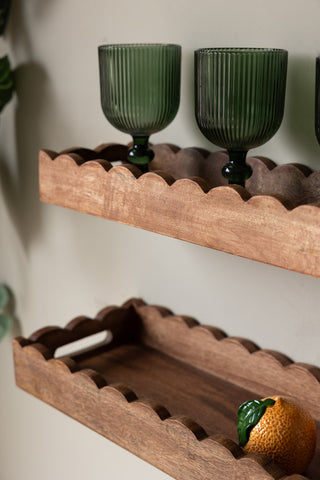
237	171
140	154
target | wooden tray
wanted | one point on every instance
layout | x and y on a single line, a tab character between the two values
275	219
165	388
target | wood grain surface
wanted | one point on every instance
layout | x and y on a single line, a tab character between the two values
165	388
275	219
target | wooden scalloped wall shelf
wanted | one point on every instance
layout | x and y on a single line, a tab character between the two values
165	388
275	219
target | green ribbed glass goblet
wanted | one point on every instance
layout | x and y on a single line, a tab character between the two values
239	100
140	91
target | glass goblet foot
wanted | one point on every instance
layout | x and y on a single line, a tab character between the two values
237	170
140	154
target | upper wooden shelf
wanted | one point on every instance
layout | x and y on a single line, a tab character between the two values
165	388
275	219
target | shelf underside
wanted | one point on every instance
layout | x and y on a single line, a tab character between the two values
275	219
165	388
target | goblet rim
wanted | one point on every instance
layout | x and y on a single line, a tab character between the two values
244	50
114	46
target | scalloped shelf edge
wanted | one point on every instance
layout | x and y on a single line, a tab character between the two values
175	444
225	218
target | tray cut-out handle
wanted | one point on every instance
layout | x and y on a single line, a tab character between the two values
120	324
90	342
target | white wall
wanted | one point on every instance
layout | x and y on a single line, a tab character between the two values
61	263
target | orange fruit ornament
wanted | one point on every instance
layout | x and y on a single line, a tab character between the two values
279	428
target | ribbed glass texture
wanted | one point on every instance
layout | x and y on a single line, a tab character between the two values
317	100
140	86
239	95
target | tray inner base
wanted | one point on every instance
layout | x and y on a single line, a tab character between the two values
182	389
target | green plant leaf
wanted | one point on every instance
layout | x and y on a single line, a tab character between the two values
249	414
6	82
4	13
4	297
5	325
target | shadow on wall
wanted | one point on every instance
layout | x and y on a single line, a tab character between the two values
300	108
17	31
20	188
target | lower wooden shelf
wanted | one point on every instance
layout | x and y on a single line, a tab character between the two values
165	388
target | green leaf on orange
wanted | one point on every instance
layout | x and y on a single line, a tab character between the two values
249	414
